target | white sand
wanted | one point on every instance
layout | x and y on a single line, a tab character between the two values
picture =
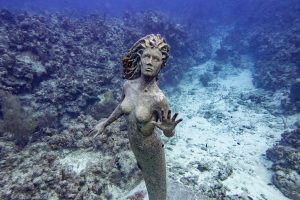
239	139
79	160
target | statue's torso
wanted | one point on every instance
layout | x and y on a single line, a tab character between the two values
140	108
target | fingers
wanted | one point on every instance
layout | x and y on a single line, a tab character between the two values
95	135
91	132
162	116
174	117
169	114
178	121
168	117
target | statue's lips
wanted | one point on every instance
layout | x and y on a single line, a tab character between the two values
149	70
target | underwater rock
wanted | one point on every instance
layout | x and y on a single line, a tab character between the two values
202	167
179	191
189	180
213	189
224	172
206	78
288	182
292	103
38	50
286	163
104	107
61	141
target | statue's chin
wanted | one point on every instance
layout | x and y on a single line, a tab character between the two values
149	75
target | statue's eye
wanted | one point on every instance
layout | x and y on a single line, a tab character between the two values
146	56
156	59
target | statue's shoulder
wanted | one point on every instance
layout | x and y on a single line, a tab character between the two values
160	97
164	100
129	84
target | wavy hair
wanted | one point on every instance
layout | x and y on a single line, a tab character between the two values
131	60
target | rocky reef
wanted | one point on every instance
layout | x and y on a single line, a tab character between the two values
286	163
38	171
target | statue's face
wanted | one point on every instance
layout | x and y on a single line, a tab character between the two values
151	62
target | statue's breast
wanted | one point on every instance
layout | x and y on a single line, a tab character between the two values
140	105
143	112
141	108
127	105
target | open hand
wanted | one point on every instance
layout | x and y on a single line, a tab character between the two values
166	124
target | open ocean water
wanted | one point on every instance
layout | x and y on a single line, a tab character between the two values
89	92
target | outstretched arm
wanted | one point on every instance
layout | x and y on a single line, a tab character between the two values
100	127
116	114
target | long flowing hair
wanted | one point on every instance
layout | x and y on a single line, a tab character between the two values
131	61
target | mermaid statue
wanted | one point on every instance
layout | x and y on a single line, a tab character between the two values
145	108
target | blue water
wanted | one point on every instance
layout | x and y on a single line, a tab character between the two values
191	9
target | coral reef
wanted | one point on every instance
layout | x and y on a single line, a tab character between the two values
46	55
44	175
286	166
20	123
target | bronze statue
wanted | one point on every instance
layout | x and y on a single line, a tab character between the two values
145	107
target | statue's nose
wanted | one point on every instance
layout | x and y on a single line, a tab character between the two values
149	61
